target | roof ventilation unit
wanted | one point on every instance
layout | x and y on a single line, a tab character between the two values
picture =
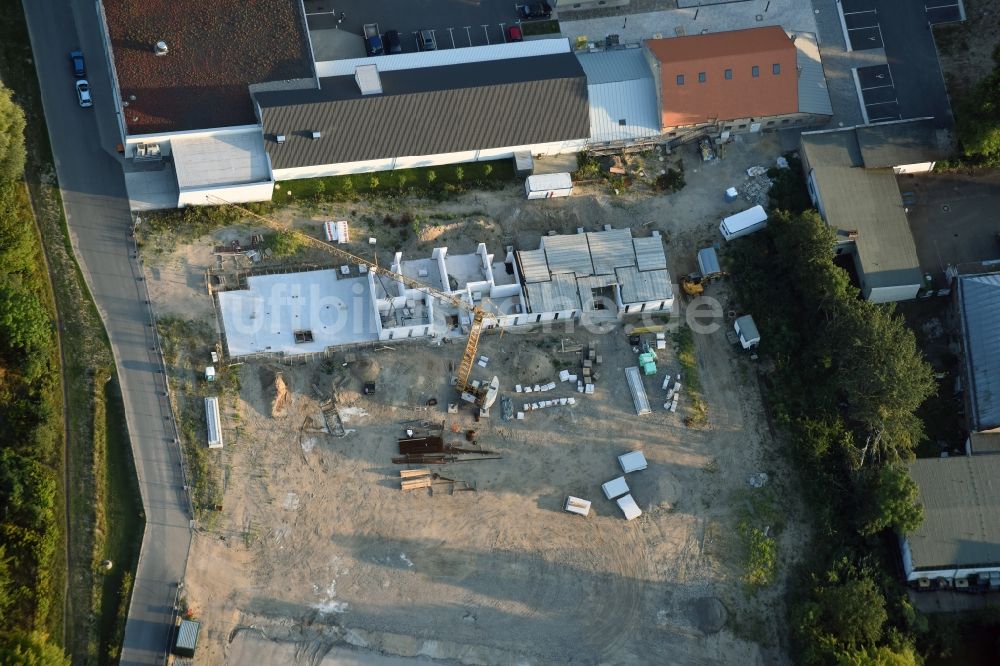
280	138
368	79
316	135
160	48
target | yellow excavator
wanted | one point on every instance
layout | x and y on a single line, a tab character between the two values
483	395
692	285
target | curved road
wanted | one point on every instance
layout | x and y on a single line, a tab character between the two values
96	204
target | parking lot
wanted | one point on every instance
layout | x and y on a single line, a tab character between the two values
455	23
878	93
861	19
944	12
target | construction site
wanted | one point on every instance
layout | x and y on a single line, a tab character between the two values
489	444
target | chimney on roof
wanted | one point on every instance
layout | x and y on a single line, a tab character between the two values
368	79
160	48
316	134
280	138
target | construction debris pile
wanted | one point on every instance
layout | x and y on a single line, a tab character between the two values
423	444
756	186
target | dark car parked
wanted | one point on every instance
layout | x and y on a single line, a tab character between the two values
79	68
392	43
426	41
536	10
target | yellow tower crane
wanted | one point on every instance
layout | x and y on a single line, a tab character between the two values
479	315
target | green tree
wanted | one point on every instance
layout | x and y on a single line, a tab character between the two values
25	329
11	137
487	170
431	176
890	501
34	649
978	118
843	616
17	244
285	243
373	183
885	379
459	174
6	582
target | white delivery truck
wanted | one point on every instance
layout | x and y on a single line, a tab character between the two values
548	185
744	223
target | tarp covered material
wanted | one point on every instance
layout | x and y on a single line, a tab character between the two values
639	396
629	507
633	461
214	423
615	487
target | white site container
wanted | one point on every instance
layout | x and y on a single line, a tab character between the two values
632	461
615	487
548	185
629	507
743	223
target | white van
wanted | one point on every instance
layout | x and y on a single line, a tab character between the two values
744	223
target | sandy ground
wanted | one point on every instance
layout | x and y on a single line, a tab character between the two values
318	557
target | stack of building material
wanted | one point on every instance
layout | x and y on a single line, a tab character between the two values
633	461
615	488
629	507
577	505
639	397
412	479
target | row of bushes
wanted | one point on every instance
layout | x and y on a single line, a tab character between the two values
436	182
847	381
30	417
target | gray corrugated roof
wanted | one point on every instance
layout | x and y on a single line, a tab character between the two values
558	294
642	286
631	101
907	142
979	303
533	265
611	66
961	498
649	253
865	200
568	253
610	250
813	94
429	111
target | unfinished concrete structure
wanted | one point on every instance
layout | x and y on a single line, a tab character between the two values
603	275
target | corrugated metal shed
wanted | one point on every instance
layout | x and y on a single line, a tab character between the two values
961	500
708	261
534	266
557	295
649	253
979	306
813	94
622	95
643	286
442	57
187	638
568	253
610	250
429	111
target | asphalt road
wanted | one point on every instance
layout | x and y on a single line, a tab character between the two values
96	204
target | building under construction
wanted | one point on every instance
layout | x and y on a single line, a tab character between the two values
605	274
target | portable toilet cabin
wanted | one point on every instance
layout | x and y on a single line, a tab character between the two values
747	331
548	185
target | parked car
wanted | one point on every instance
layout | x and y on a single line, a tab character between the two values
79	68
392	43
373	41
536	10
514	34
426	41
83	93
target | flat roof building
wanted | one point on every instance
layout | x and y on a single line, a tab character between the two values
960	534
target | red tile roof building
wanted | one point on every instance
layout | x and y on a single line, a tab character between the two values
726	76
